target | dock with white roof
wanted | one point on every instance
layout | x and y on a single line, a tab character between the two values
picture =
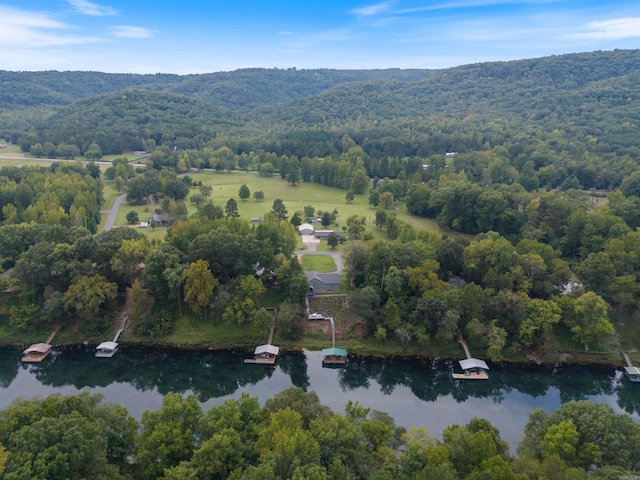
474	369
266	354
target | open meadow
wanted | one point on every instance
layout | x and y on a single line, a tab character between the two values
295	198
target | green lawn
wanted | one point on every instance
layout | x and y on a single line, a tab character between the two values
319	263
226	185
14	162
324	247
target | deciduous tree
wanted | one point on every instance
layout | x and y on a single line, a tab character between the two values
244	192
199	285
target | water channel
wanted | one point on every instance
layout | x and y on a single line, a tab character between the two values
416	393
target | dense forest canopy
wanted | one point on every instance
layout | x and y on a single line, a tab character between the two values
294	436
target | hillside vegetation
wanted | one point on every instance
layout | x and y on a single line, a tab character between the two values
506	156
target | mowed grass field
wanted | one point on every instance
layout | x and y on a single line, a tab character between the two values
295	198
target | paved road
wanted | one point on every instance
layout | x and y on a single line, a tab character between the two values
311	242
108	225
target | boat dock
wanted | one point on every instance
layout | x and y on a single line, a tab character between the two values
632	372
39	351
333	356
474	369
266	354
109	349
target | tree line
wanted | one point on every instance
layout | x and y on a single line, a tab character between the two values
294	436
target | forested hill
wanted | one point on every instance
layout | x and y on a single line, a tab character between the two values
546	90
119	120
580	97
232	89
26	98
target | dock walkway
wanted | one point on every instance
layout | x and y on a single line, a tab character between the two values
465	347
273	326
53	334
123	325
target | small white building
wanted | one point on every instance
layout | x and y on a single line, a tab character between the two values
306	229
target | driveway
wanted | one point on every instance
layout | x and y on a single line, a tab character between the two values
108	225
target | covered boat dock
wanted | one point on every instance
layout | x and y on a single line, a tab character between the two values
106	349
334	356
264	354
632	373
474	369
37	352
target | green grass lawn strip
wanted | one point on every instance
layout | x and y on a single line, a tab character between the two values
319	263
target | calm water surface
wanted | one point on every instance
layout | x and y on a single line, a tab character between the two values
416	393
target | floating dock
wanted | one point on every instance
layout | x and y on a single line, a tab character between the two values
264	355
474	369
109	349
333	355
39	351
632	373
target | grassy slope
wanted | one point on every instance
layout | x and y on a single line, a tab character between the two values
226	185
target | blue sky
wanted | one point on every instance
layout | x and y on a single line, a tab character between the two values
159	36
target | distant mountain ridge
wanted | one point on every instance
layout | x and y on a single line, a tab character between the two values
233	89
589	94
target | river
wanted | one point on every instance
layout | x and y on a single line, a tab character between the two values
416	393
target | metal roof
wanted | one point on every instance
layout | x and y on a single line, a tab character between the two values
107	346
38	348
339	352
470	363
270	349
632	370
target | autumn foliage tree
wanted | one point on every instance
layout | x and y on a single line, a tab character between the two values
198	286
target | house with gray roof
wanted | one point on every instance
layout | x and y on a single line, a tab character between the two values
323	282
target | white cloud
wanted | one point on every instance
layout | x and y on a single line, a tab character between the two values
613	29
28	19
87	8
372	9
453	4
128	31
27	29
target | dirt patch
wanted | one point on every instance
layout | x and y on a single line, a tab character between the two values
349	325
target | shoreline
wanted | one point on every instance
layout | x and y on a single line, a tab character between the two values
564	358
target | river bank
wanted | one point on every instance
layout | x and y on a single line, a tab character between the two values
362	349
